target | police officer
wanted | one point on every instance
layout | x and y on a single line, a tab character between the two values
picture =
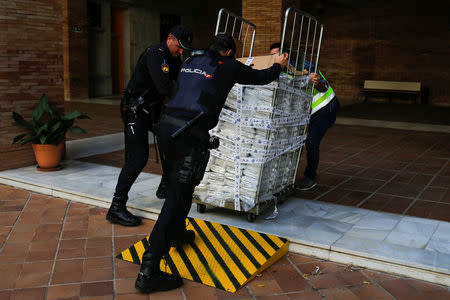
202	87
152	81
323	116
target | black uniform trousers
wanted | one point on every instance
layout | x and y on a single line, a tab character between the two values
171	221
319	123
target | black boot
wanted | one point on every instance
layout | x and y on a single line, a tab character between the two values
187	237
119	214
161	192
151	279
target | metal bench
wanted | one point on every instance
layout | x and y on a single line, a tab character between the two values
391	88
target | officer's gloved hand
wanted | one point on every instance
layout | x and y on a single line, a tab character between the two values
213	142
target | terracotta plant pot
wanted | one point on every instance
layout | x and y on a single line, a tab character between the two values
48	156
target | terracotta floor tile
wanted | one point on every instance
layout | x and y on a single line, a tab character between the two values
344	169
312	193
97	289
63	291
171	295
288	278
329	179
370	292
242	293
68	265
18	237
8	218
390	164
105	297
399	288
401	189
11	205
146	227
424	168
261	287
97	275
75	234
194	290
274	297
123	242
98	252
9	272
437	295
421	209
125	286
14	252
362	184
441	211
432	193
66	277
419	179
309	295
387	203
125	270
300	259
379	174
338	293
34	279
378	276
441	181
6	295
134	297
32	293
98	229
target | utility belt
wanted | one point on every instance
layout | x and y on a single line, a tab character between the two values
187	126
133	107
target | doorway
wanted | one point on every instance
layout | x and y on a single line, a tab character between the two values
117	51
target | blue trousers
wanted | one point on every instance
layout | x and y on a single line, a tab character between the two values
319	123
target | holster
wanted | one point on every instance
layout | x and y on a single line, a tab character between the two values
192	167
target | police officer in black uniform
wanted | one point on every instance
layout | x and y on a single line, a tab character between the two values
152	81
202	87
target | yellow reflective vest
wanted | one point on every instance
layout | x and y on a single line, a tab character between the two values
320	99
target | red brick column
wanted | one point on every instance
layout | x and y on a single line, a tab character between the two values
268	16
31	63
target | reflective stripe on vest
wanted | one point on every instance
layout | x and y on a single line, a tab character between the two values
320	99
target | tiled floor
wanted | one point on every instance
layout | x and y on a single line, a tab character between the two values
397	171
51	248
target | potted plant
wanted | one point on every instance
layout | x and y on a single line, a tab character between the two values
47	133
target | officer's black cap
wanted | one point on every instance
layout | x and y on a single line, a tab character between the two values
184	36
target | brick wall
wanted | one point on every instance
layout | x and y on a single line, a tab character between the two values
31	63
400	40
266	15
397	40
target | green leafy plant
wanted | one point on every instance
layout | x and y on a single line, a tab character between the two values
48	126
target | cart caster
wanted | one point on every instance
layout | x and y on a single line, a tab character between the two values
201	208
251	217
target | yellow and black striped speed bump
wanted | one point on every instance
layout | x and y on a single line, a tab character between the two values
221	256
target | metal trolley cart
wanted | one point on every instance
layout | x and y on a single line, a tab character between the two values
262	129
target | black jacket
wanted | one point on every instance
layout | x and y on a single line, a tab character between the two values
228	72
155	71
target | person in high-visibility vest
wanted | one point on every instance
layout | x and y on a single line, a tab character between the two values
323	116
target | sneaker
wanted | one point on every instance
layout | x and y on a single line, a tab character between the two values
306	184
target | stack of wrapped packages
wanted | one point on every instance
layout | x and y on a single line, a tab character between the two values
262	130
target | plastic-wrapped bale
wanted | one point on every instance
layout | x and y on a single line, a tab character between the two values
261	130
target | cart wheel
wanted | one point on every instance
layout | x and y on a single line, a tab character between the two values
201	208
251	217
